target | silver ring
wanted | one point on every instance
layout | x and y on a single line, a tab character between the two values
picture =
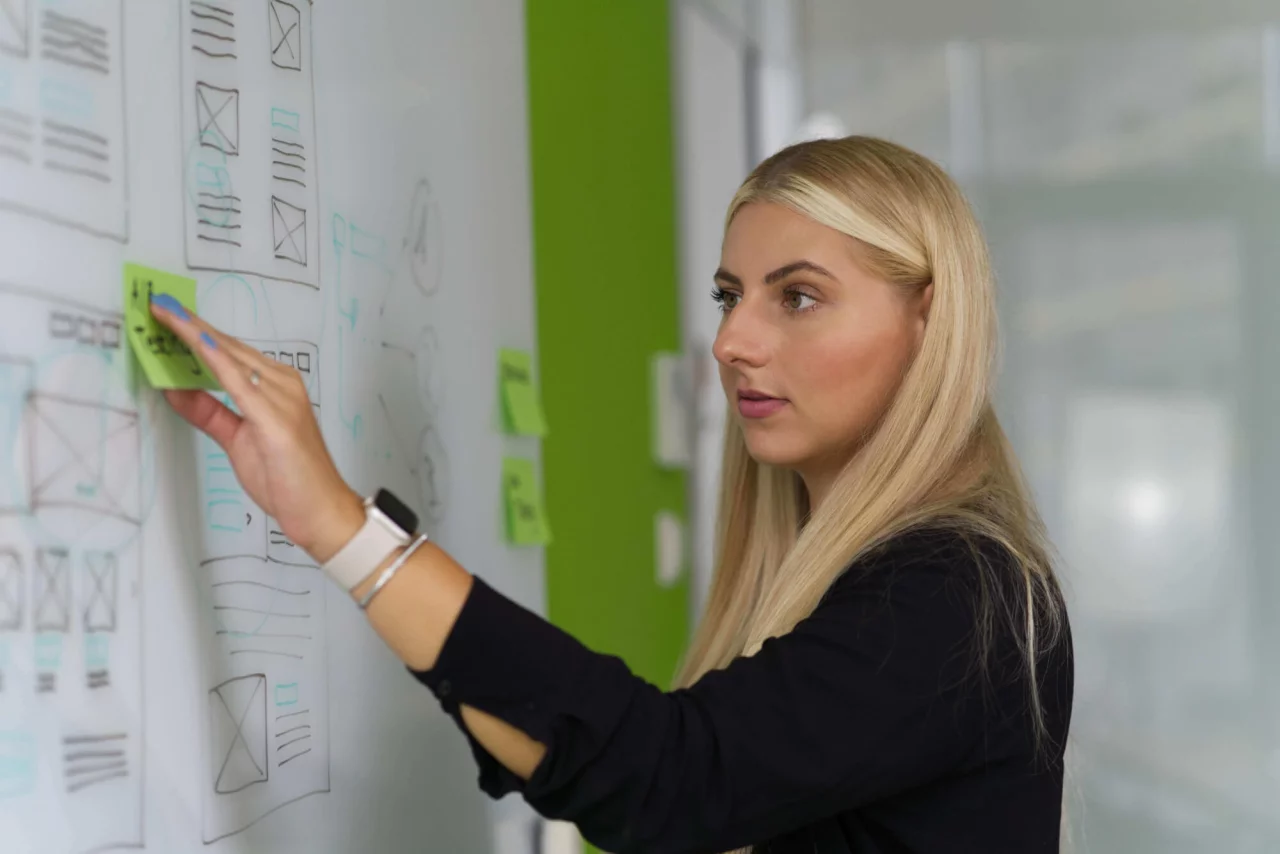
254	378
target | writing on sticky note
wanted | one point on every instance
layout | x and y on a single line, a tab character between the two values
521	403
166	360
526	519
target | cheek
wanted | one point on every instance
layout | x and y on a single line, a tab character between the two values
853	378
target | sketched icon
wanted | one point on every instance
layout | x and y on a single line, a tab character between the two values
14	15
98	592
285	24
52	596
218	118
12	588
289	231
84	455
238	731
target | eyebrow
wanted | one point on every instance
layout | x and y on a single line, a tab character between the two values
777	275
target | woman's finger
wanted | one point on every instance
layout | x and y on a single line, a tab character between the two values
229	369
204	412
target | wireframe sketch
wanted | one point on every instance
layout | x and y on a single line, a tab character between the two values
62	122
233	136
70	576
267	717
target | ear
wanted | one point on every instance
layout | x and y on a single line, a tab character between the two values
923	302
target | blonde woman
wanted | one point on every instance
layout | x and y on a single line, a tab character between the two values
884	664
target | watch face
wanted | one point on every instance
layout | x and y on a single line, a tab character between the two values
395	510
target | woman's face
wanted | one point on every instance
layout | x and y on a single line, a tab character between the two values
811	347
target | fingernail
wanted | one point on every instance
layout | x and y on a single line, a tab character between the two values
208	341
171	305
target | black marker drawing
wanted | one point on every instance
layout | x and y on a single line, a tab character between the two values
15	16
289	231
284	23
15	134
99	591
238	726
13	590
218	118
90	760
51	594
213	30
75	42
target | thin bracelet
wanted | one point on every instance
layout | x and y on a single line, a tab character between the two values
391	570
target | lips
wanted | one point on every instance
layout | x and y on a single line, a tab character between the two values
757	404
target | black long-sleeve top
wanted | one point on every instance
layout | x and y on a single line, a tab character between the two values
870	727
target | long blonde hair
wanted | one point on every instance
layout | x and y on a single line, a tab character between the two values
936	458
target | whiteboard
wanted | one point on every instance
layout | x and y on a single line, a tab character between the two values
348	185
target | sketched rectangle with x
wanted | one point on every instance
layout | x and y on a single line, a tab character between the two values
238	732
52	597
218	118
99	591
284	21
289	231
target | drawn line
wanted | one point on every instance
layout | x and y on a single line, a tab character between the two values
293	729
213	8
74	23
266	586
9	151
78	149
284	762
75	43
260	611
265	652
218	224
213	55
286	635
218	240
7	113
95	768
219	196
75	787
16	133
94	739
76	170
292	741
290	180
209	17
301	169
231	39
77	63
93	754
284	153
286	142
293	714
225	208
74	131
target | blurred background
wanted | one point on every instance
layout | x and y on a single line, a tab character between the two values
1123	157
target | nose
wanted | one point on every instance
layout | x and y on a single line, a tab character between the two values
742	340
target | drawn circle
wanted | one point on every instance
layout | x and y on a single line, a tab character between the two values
424	239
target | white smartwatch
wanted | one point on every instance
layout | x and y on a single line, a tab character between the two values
388	525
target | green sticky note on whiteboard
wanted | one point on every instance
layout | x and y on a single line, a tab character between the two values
526	518
521	403
165	359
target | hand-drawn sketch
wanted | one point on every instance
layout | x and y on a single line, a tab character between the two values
232	137
70	576
62	122
238	715
266	595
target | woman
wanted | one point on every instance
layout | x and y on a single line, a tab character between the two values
884	664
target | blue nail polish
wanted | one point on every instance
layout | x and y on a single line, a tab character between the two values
171	305
208	341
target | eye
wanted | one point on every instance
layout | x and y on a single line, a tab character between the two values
726	299
799	301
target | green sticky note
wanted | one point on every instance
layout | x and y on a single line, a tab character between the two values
526	519
521	403
165	359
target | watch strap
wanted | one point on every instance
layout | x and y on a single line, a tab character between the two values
367	550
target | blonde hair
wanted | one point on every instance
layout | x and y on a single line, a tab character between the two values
936	458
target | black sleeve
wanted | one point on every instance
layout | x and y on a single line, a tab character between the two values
865	698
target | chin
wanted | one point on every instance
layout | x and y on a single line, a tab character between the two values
774	450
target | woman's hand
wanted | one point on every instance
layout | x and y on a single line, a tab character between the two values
274	444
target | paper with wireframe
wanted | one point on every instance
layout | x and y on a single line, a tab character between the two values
166	360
